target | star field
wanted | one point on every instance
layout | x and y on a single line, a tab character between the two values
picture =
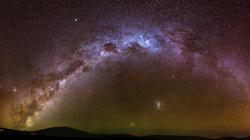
137	67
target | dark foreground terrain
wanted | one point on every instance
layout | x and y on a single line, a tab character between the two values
69	133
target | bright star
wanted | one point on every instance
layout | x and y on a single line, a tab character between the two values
75	19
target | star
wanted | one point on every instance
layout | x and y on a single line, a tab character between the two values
75	19
132	124
14	89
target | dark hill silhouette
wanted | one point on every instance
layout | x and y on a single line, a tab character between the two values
62	132
66	132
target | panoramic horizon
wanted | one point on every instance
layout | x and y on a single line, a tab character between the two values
138	67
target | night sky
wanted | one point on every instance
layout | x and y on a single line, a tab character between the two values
126	66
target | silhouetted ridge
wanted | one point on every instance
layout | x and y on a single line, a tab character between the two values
62	132
74	133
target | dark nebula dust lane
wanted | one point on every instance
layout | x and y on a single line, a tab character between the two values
137	67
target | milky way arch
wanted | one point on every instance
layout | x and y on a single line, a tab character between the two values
176	44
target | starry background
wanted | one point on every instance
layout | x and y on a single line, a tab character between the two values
126	66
